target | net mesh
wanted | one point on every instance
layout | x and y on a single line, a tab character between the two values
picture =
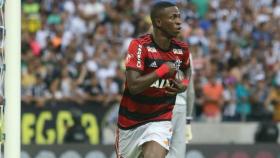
2	69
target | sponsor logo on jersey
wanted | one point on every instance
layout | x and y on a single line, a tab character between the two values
161	83
151	49
139	52
177	51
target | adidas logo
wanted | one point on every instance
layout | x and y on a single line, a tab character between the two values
153	64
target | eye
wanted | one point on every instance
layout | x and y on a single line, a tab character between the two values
173	17
179	15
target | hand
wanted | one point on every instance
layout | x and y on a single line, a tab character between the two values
172	68
177	87
171	91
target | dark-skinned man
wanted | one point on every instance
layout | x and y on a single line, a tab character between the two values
153	60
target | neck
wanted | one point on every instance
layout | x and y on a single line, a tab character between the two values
161	39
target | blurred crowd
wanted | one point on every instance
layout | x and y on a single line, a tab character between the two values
74	50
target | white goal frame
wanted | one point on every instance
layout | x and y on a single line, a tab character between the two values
12	79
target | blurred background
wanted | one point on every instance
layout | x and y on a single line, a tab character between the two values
72	72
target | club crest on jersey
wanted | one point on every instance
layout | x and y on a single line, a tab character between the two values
178	64
151	49
177	51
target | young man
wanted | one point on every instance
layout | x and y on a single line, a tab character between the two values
152	62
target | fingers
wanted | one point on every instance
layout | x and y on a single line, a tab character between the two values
177	84
171	91
176	87
171	67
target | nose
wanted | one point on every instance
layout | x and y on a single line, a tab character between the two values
178	21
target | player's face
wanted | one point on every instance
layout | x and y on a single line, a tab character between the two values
171	21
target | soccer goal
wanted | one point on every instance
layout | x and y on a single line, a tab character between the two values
10	38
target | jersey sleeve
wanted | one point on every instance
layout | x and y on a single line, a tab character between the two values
136	56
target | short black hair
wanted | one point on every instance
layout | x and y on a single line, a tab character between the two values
158	7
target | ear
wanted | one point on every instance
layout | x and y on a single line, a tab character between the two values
158	22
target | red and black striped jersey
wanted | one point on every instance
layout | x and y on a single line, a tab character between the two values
152	104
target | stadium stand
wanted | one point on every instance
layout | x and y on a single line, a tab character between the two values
73	52
74	49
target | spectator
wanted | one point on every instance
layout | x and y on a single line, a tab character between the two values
273	101
229	109
213	99
243	99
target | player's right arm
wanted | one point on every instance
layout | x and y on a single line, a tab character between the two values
135	59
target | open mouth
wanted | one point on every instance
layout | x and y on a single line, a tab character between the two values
178	29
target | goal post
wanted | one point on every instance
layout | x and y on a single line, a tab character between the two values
12	47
